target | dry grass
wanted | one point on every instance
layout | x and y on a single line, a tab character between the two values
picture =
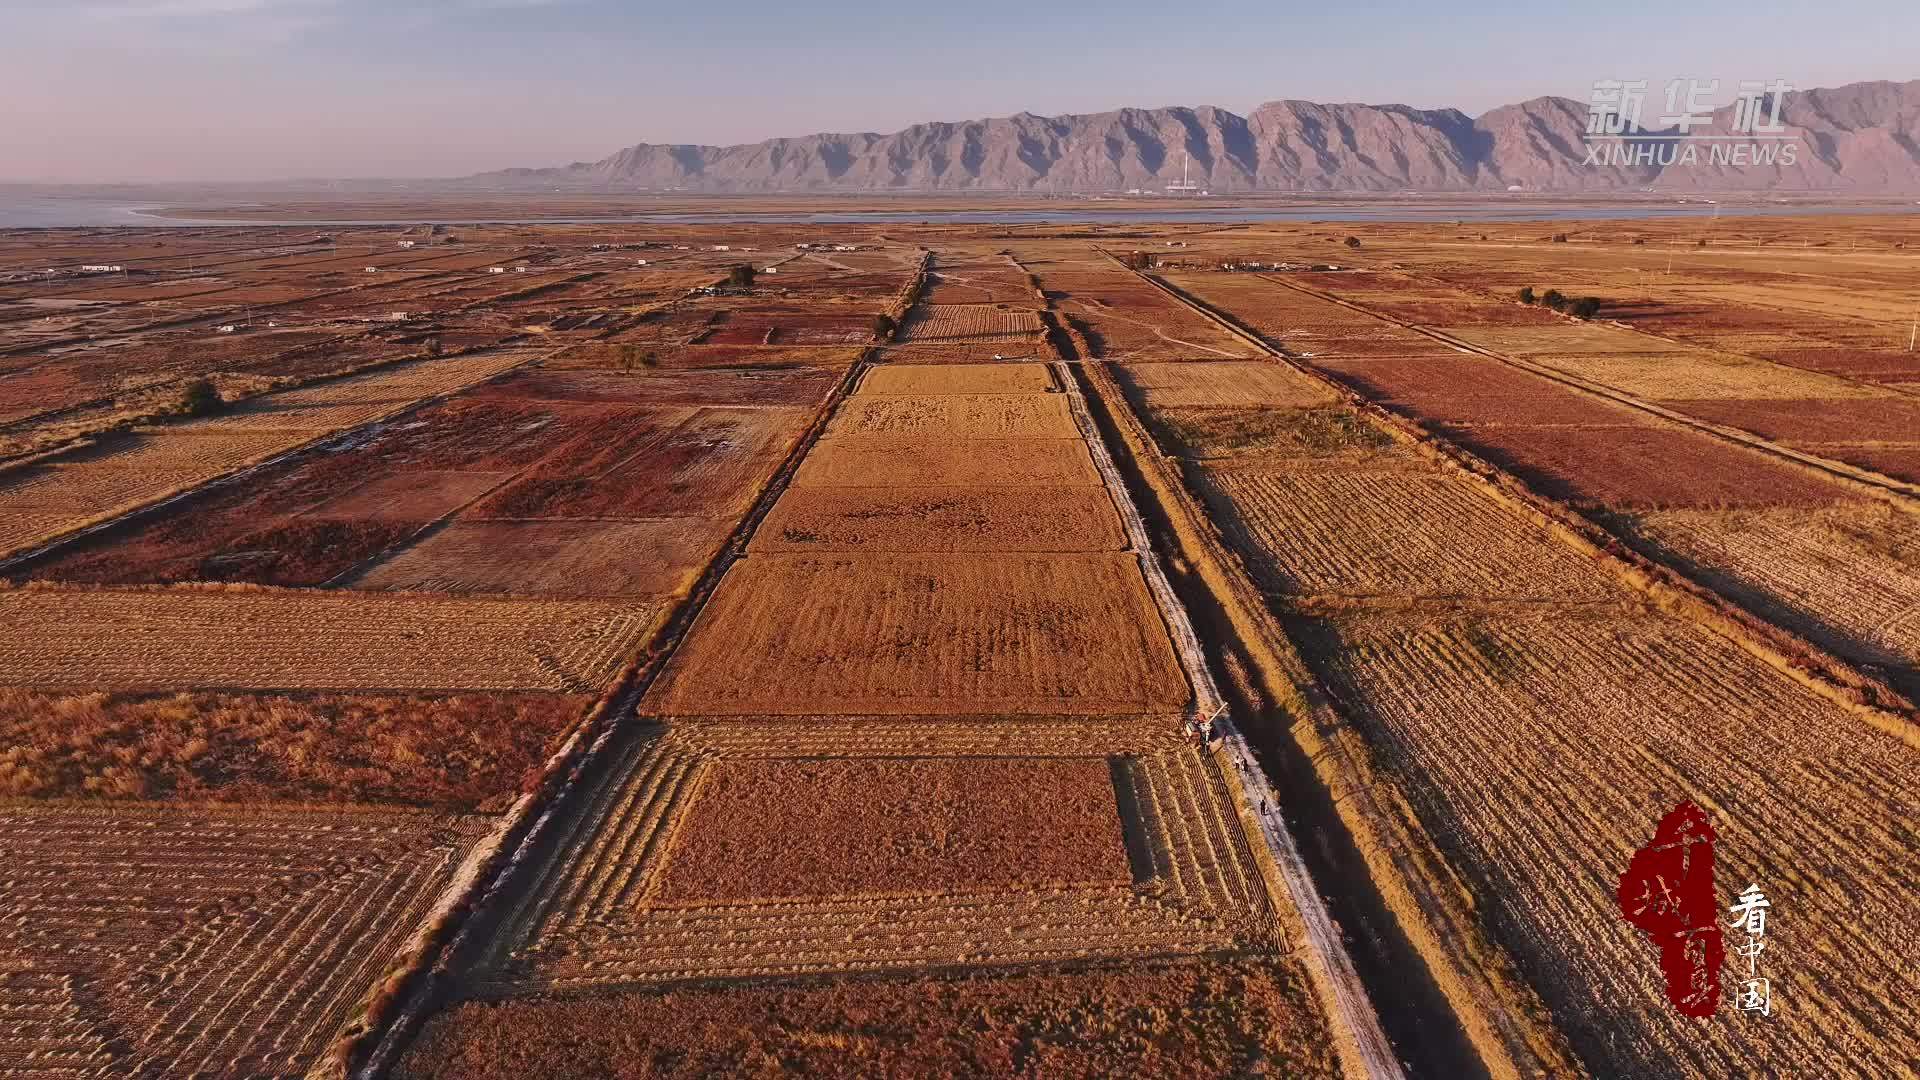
1228	433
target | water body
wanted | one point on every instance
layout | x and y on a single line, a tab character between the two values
50	212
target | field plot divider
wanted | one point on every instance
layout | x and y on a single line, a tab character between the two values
458	931
117	518
1364	1043
1898	493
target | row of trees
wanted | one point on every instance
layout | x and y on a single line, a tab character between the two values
1584	308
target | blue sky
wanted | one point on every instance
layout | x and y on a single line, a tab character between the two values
96	90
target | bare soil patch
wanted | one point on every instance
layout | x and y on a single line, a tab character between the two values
957	416
1461	389
1800	421
1225	383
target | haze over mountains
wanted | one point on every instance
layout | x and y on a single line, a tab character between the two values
1863	138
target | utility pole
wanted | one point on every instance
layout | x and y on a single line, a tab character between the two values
1913	335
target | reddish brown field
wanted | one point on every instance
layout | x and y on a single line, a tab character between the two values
1808	421
1899	462
554	558
693	386
607	356
884	519
920	634
1472	390
896	826
914	462
454	752
1212	1018
1003	378
711	465
1874	365
1647	467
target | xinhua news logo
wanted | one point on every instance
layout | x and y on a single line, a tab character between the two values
1754	134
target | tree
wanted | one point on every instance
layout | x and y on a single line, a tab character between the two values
433	346
1526	295
199	398
1137	260
1559	238
741	276
883	326
1554	299
1353	241
1586	307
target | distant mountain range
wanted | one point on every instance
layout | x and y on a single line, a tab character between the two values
1863	138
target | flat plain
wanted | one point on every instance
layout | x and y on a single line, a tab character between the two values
761	686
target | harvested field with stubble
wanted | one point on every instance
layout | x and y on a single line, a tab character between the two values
40	502
298	640
1200	1018
970	322
926	634
686	864
1225	384
451	752
1376	533
874	461
906	519
1002	378
156	941
1540	751
1319	434
1800	422
896	827
1847	578
358	399
957	416
554	558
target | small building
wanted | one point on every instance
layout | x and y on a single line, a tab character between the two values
639	262
496	269
407	243
373	269
229	328
101	268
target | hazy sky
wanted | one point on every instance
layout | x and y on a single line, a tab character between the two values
95	90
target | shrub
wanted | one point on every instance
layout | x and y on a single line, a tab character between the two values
199	398
883	326
1559	238
1353	241
1555	299
1586	307
1526	295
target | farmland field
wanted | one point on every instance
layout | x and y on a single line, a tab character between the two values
958	379
1238	666
1015	634
869	461
941	519
157	941
961	416
307	640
